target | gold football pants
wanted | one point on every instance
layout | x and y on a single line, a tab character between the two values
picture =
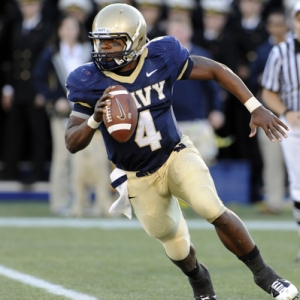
184	176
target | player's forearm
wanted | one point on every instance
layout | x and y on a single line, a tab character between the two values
232	83
77	137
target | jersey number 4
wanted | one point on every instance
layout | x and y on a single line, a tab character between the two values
146	134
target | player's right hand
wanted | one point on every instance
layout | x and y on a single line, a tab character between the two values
102	103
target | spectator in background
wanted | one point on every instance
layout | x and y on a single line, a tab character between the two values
277	28
250	33
70	175
281	92
199	124
274	174
68	50
220	41
90	175
217	38
27	122
180	9
152	12
82	10
9	13
189	11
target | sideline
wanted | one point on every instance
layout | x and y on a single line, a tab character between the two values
47	286
123	223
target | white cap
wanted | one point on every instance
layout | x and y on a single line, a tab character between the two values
83	5
296	9
180	4
216	6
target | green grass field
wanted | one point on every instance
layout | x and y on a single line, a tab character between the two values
126	264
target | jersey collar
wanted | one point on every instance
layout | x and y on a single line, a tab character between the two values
135	73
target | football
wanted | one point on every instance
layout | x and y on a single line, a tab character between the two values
121	117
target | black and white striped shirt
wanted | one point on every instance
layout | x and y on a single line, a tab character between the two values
282	73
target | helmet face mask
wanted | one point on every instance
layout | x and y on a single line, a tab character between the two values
115	22
111	60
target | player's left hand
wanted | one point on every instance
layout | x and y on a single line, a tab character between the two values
264	118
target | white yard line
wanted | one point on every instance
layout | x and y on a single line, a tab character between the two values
123	223
42	284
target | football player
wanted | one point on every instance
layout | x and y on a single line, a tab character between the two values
159	165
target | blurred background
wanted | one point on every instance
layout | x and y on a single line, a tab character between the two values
41	41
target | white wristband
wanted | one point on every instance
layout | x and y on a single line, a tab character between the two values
252	104
92	123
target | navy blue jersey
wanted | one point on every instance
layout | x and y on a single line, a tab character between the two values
163	61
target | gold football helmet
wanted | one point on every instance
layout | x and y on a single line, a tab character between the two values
117	21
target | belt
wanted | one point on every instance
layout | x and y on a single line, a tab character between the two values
146	173
178	148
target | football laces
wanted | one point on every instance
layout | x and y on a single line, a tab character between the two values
108	114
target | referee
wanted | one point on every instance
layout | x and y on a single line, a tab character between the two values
281	93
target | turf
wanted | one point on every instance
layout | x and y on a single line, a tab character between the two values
127	264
